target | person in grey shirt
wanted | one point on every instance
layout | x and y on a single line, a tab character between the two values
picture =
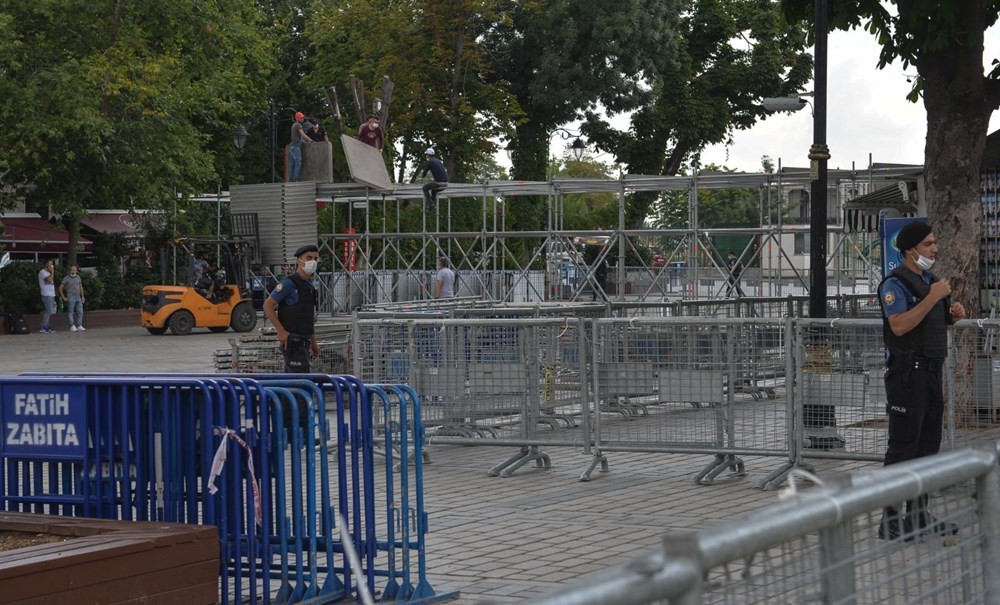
71	291
445	280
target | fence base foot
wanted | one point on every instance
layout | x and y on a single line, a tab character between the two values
599	458
778	477
721	463
526	455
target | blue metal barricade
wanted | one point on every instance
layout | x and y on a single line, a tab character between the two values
232	451
404	438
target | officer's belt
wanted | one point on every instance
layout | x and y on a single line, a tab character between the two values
928	365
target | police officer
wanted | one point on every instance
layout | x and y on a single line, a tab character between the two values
291	309
916	312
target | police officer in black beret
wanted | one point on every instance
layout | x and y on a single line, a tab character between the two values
291	308
916	312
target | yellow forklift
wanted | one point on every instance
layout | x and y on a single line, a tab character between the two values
218	299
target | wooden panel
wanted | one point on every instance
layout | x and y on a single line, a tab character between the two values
110	562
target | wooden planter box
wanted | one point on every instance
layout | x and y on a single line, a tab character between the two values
104	562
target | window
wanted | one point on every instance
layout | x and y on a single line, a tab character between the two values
801	243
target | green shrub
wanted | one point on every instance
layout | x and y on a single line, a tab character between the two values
19	291
93	289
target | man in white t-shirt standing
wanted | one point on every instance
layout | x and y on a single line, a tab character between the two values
47	285
445	280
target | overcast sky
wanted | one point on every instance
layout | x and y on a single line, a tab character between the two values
867	113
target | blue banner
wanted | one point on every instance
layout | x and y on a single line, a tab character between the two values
891	256
41	421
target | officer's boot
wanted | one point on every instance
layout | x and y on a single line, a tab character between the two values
895	525
921	518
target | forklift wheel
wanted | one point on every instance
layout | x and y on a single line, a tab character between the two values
244	317
181	322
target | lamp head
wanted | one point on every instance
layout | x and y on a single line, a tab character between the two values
578	147
792	103
240	136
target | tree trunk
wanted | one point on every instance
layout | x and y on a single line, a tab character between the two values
958	117
959	101
74	241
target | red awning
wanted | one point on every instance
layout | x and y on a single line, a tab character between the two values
112	222
25	234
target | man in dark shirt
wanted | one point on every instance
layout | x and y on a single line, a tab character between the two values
316	132
440	174
371	133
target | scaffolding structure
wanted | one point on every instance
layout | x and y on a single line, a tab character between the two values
393	266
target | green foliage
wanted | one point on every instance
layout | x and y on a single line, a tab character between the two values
139	91
716	207
93	290
584	211
445	93
560	58
729	54
19	291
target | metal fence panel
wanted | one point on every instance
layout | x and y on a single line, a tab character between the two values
486	381
830	545
692	385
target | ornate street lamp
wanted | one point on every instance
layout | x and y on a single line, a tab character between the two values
240	136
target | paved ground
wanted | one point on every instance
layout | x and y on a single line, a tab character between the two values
496	540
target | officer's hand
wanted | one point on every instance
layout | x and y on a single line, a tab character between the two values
957	311
314	350
283	338
940	289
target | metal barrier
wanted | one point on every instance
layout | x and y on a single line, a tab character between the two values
760	307
504	382
249	454
691	385
823	547
797	389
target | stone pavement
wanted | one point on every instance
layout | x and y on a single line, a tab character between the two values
497	540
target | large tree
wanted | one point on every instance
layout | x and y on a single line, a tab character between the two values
944	42
445	95
562	57
121	104
729	54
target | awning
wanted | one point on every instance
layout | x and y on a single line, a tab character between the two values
861	213
35	235
111	222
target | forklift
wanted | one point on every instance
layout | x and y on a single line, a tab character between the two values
218	300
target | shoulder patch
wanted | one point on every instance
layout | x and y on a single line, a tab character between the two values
889	298
277	288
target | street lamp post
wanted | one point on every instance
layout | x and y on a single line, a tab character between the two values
819	421
819	153
240	135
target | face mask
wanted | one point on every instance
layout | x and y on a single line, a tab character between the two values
924	263
310	266
374	124
72	274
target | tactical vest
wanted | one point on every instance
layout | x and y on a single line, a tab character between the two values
930	338
298	318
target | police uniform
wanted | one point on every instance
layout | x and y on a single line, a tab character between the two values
913	383
296	308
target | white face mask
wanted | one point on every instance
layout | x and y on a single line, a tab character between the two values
310	266
924	263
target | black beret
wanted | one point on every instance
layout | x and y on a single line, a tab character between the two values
912	234
307	248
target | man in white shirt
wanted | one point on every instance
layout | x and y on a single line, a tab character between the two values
445	280
47	285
